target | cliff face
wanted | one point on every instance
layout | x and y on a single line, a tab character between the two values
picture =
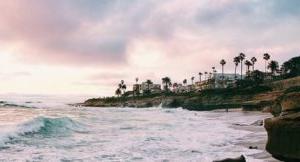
258	98
285	84
284	130
208	100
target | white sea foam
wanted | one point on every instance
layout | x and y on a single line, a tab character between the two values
40	125
57	132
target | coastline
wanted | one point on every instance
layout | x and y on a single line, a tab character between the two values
279	98
257	139
260	98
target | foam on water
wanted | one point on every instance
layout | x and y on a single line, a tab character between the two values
44	126
57	132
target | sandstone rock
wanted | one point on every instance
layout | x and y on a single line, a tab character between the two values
291	102
284	137
256	105
284	130
253	147
239	159
276	108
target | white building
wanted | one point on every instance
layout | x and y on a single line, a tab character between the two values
180	89
153	88
226	80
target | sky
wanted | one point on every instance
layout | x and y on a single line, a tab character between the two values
88	46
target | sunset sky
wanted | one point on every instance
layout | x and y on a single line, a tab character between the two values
88	46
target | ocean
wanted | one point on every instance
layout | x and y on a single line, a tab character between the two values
45	128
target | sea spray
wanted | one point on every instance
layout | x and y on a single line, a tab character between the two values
44	126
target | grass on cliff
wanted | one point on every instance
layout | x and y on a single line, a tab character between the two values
225	93
292	89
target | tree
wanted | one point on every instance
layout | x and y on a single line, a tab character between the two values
200	74
291	68
266	58
258	77
236	61
148	82
222	62
167	82
118	92
136	80
184	82
242	57
253	60
248	64
205	75
273	66
192	79
175	85
122	86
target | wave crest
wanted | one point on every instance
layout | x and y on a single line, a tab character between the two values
45	127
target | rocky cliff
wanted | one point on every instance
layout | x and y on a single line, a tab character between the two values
258	98
284	129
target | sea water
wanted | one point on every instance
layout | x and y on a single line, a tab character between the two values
46	128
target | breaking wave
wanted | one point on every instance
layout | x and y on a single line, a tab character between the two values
7	104
42	126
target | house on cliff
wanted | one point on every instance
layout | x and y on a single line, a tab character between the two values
145	88
218	80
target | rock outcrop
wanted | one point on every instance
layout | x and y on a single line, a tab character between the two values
259	98
284	130
238	159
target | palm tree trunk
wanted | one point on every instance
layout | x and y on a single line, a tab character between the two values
222	72
235	72
248	70
241	70
265	67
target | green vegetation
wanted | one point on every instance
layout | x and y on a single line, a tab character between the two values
291	68
167	83
243	89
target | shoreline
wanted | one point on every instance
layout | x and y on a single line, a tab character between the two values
249	98
258	133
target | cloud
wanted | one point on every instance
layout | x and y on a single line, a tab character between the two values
147	39
14	75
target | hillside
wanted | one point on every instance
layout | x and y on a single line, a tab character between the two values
249	98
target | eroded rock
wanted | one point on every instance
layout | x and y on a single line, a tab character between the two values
284	130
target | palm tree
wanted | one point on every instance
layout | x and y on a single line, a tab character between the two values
137	90
122	86
266	58
248	64
167	82
205	74
213	70
236	61
148	82
184	82
273	66
192	79
242	57
222	62
175	85
200	74
118	92
253	60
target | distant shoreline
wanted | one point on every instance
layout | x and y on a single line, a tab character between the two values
250	99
